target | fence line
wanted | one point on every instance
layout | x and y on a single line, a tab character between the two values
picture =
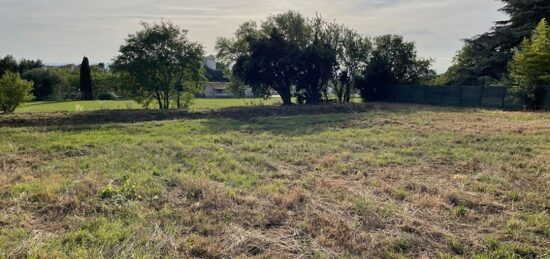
463	96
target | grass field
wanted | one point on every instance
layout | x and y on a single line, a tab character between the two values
77	106
324	181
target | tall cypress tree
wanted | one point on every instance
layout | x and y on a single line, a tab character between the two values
86	80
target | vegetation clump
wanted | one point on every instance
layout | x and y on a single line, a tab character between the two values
13	91
530	67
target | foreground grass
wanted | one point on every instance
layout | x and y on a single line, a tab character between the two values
78	106
396	181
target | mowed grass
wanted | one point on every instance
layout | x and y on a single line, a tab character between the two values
395	181
78	106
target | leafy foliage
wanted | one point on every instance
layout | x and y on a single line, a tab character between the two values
86	80
530	66
160	64
314	60
214	75
393	61
27	65
315	70
270	66
352	53
49	84
8	63
13	91
105	82
484	58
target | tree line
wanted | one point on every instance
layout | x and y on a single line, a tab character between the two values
317	61
306	59
63	82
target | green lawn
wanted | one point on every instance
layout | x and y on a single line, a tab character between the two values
393	181
76	106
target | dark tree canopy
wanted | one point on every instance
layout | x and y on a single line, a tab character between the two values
377	75
48	84
214	75
393	61
270	65
315	68
314	60
86	80
9	64
27	64
484	59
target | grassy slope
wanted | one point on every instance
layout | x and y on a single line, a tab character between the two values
72	106
395	181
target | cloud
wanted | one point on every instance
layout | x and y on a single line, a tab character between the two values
64	30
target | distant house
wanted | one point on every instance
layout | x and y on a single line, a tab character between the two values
218	90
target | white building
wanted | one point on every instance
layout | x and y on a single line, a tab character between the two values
218	90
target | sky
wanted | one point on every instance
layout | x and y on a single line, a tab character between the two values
62	31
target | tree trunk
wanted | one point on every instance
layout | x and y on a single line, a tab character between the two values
339	91
166	100
159	101
178	104
285	96
347	93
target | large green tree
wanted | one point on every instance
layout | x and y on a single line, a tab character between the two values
530	66
302	57
315	69
266	57
159	63
287	53
392	61
316	63
269	65
485	57
352	53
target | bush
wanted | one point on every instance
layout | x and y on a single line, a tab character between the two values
13	91
107	96
49	85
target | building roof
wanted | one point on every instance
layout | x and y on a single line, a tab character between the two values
216	85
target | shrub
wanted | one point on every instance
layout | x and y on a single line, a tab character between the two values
48	84
13	91
460	211
107	96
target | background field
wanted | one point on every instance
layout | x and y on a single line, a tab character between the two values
334	181
77	106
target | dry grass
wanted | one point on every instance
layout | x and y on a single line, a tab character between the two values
341	181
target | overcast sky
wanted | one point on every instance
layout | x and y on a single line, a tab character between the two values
62	31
